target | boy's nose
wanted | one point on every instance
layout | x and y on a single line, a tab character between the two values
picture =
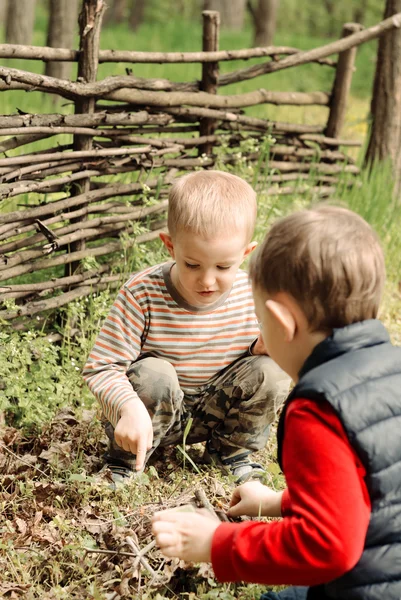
207	280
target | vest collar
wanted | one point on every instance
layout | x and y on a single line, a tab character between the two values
352	337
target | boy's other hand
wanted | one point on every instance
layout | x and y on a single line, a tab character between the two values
185	535
259	347
134	431
254	499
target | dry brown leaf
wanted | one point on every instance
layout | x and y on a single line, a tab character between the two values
21	525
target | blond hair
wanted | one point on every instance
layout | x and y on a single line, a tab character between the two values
207	203
329	260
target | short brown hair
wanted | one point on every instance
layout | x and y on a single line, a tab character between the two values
209	202
329	260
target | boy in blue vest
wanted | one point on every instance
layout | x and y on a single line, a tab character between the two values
317	282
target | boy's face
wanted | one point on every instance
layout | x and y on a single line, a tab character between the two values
205	269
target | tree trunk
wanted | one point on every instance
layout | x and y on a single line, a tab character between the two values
116	11
264	21
360	11
136	14
385	136
232	12
20	21
330	8
63	23
3	12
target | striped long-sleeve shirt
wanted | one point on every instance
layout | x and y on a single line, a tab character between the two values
150	316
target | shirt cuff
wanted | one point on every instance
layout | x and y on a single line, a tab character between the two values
222	546
285	503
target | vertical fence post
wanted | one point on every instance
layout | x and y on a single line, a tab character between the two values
90	23
210	72
342	84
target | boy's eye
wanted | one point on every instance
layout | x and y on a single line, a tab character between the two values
223	268
190	266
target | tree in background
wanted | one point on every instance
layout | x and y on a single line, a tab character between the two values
116	11
385	135
264	17
232	12
3	12
63	23
20	21
136	13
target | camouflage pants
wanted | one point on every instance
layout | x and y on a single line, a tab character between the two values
234	410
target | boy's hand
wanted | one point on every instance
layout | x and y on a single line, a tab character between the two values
185	535
259	347
254	499
134	431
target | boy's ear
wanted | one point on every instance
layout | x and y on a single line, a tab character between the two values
168	242
285	318
250	248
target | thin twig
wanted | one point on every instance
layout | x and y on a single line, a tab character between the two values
25	462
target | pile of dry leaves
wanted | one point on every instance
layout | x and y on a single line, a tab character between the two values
66	534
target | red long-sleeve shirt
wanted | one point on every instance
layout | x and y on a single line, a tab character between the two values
326	510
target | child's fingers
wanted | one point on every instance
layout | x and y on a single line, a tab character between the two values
235	498
140	452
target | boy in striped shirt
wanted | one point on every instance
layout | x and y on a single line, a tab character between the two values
181	340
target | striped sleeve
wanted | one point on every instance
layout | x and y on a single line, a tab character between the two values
117	346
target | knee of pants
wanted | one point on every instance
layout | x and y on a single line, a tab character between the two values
154	379
273	381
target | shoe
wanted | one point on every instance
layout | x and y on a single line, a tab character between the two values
117	473
237	464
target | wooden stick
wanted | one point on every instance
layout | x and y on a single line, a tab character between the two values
210	72
252	122
285	166
342	84
62	156
85	232
131	543
54	283
40	306
11	230
307	56
90	24
70	89
46	54
102	117
9	190
118	189
328	141
100	221
202	99
21	141
124	93
56	261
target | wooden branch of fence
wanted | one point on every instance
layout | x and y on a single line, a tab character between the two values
125	218
63	259
10	230
239	119
16	142
54	283
46	54
39	306
85	120
96	89
113	190
202	99
308	56
123	90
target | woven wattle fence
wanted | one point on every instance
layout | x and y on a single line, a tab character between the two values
152	129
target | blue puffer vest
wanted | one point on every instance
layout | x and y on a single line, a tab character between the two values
358	371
